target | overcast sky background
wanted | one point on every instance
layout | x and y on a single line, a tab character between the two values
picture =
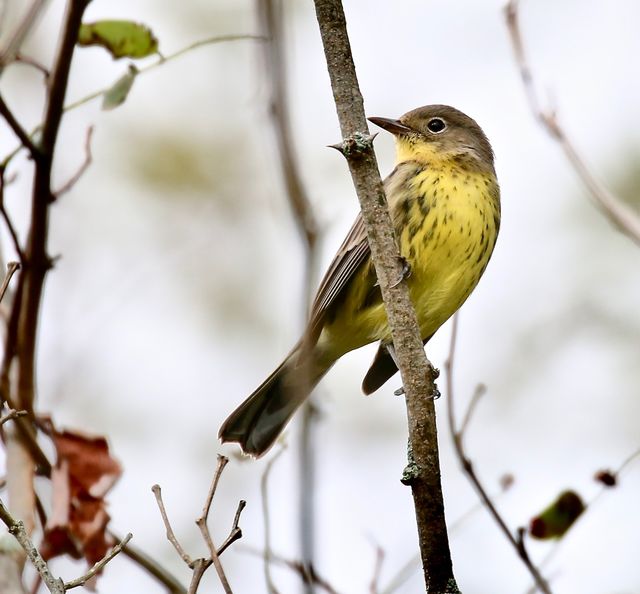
180	285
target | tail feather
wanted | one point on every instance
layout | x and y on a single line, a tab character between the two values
259	420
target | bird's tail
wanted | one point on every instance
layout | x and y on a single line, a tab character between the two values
259	420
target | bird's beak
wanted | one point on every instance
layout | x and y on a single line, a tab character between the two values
393	126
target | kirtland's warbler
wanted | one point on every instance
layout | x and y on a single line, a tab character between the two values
444	202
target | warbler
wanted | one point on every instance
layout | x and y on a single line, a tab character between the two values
444	202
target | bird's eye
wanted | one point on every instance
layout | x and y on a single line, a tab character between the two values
436	125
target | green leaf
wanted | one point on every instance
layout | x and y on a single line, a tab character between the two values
556	519
120	38
119	91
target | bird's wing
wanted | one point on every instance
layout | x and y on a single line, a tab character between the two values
351	254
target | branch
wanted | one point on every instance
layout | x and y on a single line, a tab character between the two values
18	130
264	492
307	574
152	567
270	13
200	565
161	61
201	522
622	216
418	376
99	566
467	466
88	158
12	267
12	414
17	529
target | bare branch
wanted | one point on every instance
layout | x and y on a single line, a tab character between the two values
201	522
12	267
12	414
418	376
152	567
467	467
307	574
236	531
264	492
99	566
18	130
22	59
171	537
621	215
200	565
88	158
271	18
17	529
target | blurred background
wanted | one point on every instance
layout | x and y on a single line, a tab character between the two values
181	283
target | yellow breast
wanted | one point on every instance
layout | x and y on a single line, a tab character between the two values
447	221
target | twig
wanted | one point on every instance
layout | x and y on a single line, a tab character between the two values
152	567
88	158
171	537
622	216
18	35
589	506
22	59
99	566
201	522
17	529
200	565
308	575
11	270
418	376
7	219
264	492
18	130
12	414
270	13
236	531
467	467
161	61
374	587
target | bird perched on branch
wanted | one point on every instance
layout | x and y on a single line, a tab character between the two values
444	202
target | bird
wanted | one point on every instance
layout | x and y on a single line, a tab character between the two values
444	201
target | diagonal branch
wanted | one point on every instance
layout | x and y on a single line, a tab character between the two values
457	435
621	215
18	130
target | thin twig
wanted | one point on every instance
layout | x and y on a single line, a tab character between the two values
171	537
308	575
12	414
200	565
152	567
11	270
621	215
18	130
88	158
558	543
235	532
161	62
374	587
7	219
201	522
19	34
467	467
99	566
268	553
271	18
29	61
17	529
